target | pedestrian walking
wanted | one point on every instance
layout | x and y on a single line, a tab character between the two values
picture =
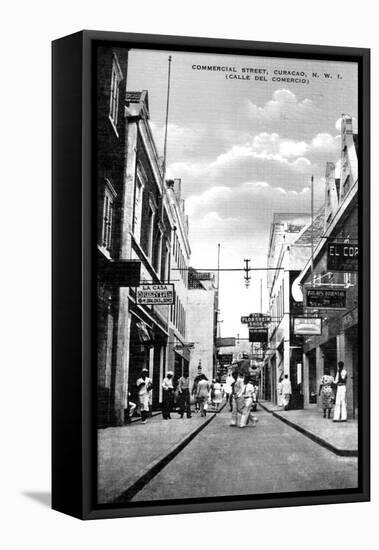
237	400
202	394
144	385
326	393
286	391
340	407
228	390
194	392
217	394
246	399
168	395
184	395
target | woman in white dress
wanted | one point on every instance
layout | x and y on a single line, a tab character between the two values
202	394
217	394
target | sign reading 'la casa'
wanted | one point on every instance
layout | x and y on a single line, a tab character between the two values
155	295
342	257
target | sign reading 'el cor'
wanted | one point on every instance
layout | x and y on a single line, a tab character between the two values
325	298
343	257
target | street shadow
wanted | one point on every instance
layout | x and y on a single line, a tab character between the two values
42	497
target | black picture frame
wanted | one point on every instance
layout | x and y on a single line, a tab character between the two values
73	441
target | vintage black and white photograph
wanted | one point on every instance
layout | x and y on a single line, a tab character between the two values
227	269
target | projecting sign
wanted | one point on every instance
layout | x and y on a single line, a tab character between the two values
307	326
225	342
155	294
342	257
325	298
258	335
121	273
256	319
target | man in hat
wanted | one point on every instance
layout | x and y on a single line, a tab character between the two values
144	385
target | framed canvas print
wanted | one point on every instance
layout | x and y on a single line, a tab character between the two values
210	275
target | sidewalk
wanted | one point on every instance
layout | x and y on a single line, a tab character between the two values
339	437
128	456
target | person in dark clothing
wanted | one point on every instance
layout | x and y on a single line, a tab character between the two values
184	395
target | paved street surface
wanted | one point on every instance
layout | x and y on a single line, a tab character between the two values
273	457
125	452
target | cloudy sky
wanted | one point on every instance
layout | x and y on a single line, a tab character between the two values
244	149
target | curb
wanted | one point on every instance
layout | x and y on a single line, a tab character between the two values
152	469
312	436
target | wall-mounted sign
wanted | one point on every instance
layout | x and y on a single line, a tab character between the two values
342	257
258	335
307	326
155	294
325	298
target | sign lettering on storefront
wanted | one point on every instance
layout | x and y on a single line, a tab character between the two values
325	298
155	294
342	257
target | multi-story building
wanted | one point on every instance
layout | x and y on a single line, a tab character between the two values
147	238
201	322
288	252
339	338
111	138
179	348
134	231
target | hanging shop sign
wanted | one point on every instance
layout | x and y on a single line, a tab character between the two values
225	359
342	257
120	273
325	298
258	335
256	319
307	326
155	294
225	342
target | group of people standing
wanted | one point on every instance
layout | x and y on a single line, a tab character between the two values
242	396
176	395
332	391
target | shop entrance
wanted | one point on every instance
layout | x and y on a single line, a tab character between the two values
312	377
329	351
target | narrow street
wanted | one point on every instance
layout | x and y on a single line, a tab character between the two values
272	457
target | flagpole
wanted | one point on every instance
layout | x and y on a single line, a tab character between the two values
312	243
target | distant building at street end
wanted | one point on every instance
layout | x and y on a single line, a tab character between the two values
201	322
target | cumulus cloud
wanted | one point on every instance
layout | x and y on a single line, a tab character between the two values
283	106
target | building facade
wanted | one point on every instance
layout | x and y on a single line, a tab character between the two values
286	257
179	348
339	338
111	125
